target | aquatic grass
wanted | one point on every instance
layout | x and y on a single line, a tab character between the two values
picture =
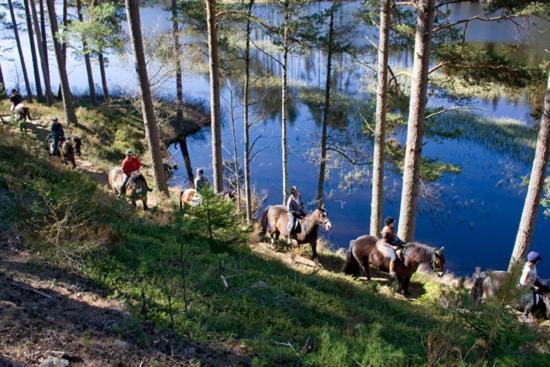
503	135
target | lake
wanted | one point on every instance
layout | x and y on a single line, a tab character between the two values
474	214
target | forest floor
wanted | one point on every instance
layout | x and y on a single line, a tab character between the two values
108	292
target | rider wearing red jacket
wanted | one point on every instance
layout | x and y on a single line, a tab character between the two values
130	164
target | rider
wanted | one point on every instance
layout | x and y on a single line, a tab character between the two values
392	243
15	99
531	282
57	134
200	181
130	164
295	210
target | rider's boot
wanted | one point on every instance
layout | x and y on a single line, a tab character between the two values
392	269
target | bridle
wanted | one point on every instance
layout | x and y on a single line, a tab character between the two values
434	259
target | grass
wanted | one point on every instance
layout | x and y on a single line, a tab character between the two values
215	290
502	135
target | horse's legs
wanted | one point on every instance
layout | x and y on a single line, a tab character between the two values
313	248
364	265
134	203
144	201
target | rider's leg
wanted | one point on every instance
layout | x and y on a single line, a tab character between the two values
531	301
55	142
391	269
123	185
290	227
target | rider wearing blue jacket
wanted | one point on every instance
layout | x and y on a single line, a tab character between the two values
58	134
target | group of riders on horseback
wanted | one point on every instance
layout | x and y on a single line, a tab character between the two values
291	220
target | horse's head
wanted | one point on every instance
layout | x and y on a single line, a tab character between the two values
136	186
322	219
190	197
438	261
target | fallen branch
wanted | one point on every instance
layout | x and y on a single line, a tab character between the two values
452	109
30	289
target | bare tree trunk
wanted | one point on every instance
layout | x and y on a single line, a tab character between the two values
43	53
103	76
149	120
415	125
63	44
20	51
381	108
246	123
91	85
536	184
215	111
179	94
3	93
63	78
44	37
326	113
235	155
36	69
284	97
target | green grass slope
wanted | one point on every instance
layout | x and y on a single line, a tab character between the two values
208	287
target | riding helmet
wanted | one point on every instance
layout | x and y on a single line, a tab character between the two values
54	119
129	152
533	256
293	189
200	171
388	221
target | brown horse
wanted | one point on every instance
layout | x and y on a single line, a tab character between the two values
362	252
274	221
67	149
190	197
136	187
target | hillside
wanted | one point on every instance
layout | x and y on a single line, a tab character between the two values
88	280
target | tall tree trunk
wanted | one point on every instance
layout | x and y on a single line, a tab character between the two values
3	93
215	111
43	53
44	38
91	85
149	120
63	78
284	97
246	123
64	44
36	69
536	184
179	94
235	155
326	113
415	125
20	51
103	76
381	108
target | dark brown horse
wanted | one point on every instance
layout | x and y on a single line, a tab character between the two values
363	252
274	222
67	149
136	187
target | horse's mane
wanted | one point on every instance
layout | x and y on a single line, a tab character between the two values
423	250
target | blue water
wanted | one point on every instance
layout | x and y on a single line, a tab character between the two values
473	214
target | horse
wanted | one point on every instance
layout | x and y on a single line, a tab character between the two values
490	284
190	197
136	187
67	149
274	221
363	252
22	113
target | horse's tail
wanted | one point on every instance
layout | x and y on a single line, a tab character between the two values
27	111
351	265
264	222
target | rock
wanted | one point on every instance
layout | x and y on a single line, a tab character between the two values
122	344
54	362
